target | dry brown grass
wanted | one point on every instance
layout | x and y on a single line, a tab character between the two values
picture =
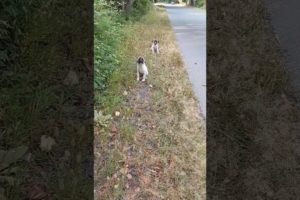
158	148
252	121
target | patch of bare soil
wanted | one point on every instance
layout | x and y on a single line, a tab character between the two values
140	175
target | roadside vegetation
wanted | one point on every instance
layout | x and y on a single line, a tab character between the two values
149	138
41	56
196	3
253	117
38	159
200	3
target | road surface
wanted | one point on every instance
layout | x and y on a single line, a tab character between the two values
285	17
189	25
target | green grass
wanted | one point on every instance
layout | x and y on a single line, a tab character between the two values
152	133
34	102
126	132
108	34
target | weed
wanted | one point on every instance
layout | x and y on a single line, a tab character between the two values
126	132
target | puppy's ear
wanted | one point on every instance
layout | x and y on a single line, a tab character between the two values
157	41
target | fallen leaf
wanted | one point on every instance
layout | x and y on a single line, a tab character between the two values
129	176
182	173
98	154
47	143
123	171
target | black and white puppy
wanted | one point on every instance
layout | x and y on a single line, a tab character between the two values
141	69
155	46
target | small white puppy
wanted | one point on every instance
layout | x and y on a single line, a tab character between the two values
141	69
155	46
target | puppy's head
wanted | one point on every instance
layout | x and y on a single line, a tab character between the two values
155	42
141	60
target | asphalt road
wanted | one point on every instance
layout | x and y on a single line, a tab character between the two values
189	25
285	17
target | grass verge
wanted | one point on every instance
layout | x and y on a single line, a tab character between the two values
253	119
155	147
39	99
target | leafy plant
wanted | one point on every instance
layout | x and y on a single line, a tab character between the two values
100	119
107	37
200	3
140	7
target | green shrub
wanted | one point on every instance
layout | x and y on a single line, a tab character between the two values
200	3
140	8
107	37
109	26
